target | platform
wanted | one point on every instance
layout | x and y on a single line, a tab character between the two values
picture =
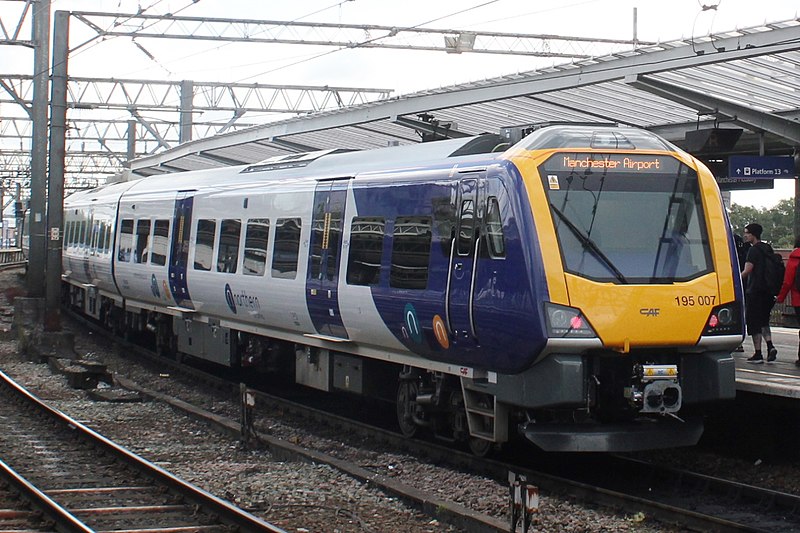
781	378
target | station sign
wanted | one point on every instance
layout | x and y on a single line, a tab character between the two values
761	167
744	184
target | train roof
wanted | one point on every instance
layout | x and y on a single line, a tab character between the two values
329	163
595	136
338	163
100	194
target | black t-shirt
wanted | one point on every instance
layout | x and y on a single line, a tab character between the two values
757	255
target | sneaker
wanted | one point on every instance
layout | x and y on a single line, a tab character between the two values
756	359
772	355
739	348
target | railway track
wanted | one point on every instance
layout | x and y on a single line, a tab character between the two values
16	510
84	482
672	496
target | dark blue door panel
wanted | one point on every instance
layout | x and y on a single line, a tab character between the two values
179	249
322	285
462	267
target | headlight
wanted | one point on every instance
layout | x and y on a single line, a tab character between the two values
725	319
567	322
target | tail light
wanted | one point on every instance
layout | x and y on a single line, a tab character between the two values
567	322
725	319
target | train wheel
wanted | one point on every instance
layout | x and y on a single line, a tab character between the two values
480	447
406	403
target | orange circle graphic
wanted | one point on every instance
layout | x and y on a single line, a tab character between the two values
440	331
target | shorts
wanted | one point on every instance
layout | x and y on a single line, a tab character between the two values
757	308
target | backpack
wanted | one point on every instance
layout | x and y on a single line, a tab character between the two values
773	270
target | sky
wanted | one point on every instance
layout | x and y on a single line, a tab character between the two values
401	71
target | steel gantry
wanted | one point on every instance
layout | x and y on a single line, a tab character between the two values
165	113
140	25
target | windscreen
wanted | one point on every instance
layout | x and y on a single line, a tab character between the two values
627	218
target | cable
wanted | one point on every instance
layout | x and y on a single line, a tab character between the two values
703	9
368	41
219	47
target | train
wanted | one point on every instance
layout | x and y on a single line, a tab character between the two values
575	285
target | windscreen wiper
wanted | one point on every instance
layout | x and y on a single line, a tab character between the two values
589	243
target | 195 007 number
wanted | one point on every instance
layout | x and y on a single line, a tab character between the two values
691	301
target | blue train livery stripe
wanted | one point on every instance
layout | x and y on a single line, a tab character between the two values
473	301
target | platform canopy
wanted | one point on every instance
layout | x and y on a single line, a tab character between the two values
746	78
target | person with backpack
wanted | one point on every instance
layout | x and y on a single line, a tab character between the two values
791	285
741	254
759	298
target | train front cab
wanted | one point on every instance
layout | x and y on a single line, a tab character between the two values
645	304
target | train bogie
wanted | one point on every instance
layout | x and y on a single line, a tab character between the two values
578	288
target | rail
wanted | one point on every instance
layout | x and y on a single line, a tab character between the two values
224	515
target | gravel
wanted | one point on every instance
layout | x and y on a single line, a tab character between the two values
296	496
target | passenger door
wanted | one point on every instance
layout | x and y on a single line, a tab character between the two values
463	259
179	249
322	284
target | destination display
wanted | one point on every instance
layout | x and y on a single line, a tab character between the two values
650	164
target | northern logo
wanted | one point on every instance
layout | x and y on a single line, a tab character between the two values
236	300
229	298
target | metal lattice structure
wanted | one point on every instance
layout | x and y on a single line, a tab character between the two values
746	77
129	118
102	110
345	35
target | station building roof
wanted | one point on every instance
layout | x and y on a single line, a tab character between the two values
745	78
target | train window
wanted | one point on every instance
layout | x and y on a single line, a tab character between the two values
82	239
94	238
108	239
67	234
494	229
204	244
91	229
101	241
466	228
160	245
639	220
366	248
228	254
287	247
411	251
142	241
256	240
125	240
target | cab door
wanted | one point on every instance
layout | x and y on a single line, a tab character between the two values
463	261
324	258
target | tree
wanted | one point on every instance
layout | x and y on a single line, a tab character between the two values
778	221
